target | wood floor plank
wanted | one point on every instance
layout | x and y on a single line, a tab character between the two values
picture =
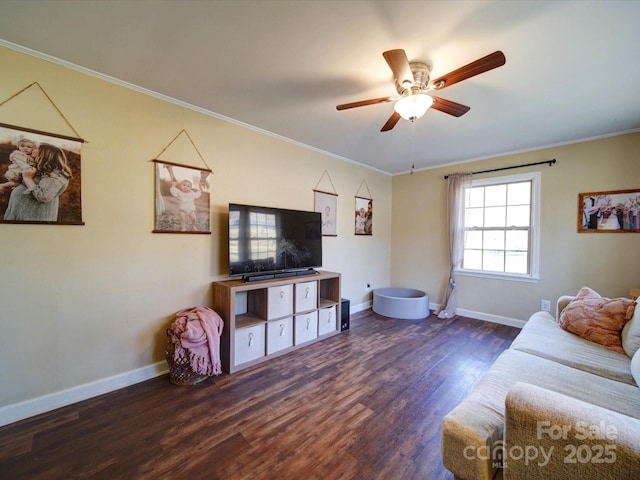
365	404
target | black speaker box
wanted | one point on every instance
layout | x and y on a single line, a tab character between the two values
344	315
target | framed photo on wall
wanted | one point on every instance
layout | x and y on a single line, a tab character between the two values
40	179
364	216
327	204
182	198
615	211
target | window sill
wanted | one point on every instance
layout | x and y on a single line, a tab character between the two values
499	276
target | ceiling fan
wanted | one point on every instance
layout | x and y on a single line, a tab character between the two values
413	84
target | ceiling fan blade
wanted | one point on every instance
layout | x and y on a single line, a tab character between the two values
362	103
399	64
393	119
447	106
484	64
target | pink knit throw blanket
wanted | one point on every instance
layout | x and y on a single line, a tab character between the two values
198	330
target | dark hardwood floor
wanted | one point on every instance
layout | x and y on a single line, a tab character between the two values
366	404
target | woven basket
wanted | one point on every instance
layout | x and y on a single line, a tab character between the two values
180	371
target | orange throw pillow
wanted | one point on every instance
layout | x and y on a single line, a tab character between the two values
597	318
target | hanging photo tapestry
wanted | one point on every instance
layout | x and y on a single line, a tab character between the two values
364	216
327	205
182	199
39	177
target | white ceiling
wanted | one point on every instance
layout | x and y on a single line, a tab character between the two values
572	69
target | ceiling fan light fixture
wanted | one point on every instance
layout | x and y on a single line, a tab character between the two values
414	106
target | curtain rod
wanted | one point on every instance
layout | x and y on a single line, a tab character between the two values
550	162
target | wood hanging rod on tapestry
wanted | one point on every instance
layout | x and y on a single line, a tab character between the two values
550	162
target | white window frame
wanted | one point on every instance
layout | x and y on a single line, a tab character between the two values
534	252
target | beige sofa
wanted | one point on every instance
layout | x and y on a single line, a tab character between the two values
552	406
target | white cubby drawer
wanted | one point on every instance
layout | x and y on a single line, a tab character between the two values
279	335
327	320
306	296
280	301
306	327
249	343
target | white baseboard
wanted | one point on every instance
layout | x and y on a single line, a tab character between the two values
46	403
360	308
487	317
29	408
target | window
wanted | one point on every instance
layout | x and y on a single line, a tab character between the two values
263	235
501	217
261	243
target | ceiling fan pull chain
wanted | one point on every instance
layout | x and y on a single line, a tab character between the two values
413	146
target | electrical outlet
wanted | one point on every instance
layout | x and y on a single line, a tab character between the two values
545	305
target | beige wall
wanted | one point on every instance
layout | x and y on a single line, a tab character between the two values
80	304
608	262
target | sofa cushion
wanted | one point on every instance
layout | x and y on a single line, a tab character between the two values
597	318
539	420
635	367
513	366
631	334
472	432
543	337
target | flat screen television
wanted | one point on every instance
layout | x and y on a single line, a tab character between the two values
265	240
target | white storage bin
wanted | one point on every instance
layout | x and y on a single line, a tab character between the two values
306	327
327	320
249	343
280	301
306	296
279	335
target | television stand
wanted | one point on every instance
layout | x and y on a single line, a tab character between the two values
265	319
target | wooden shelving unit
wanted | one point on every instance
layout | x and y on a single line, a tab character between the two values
269	318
